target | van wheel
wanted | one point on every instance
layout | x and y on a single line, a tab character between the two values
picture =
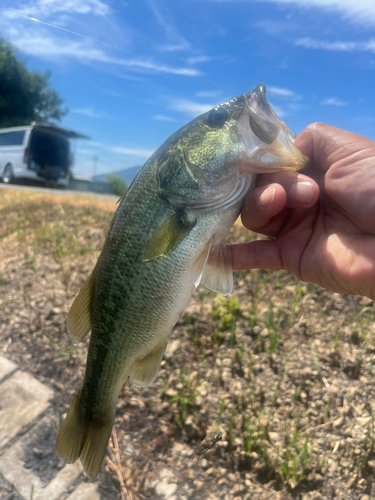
8	174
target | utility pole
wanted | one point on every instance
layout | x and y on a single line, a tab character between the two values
95	164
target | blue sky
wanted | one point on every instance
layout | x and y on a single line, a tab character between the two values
140	69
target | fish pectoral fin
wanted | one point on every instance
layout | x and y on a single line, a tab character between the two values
200	263
169	235
218	273
79	317
145	369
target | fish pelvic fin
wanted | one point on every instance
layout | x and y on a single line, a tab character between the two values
144	370
79	317
84	438
217	273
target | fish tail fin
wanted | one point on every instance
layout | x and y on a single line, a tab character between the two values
84	438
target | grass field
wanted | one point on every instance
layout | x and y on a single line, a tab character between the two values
268	393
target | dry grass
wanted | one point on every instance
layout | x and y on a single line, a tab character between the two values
267	393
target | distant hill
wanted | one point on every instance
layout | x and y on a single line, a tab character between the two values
128	174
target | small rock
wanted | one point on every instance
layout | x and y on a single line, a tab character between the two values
338	422
165	489
38	453
256	330
150	483
204	463
238	489
172	347
190	427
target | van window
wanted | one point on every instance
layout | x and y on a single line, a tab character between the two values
12	138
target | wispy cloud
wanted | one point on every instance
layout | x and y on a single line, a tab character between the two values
90	112
281	112
47	8
40	43
175	41
214	94
359	11
142	153
163	118
284	93
276	27
198	59
191	108
337	45
332	101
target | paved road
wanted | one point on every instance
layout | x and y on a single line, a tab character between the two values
41	189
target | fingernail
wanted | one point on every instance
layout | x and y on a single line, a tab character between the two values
301	192
267	196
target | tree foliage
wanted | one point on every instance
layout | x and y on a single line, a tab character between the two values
117	184
25	96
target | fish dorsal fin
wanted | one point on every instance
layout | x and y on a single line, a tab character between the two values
79	317
145	370
218	273
169	235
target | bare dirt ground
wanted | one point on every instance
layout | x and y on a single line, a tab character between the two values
268	393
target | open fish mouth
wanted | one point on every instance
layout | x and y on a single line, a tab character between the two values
265	136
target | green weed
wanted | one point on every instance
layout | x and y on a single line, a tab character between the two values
184	402
273	326
66	352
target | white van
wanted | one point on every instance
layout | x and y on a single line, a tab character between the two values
39	151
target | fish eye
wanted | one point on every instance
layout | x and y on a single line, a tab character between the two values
217	117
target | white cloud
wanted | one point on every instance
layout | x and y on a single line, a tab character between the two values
210	94
40	43
176	42
275	27
339	46
90	112
48	8
332	101
285	93
162	118
214	94
142	153
191	108
280	112
198	59
360	11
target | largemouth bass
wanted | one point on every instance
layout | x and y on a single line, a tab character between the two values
166	237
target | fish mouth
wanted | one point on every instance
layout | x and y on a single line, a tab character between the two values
265	136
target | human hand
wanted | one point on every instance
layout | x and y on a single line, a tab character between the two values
323	223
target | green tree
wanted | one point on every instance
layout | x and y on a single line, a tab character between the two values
117	184
25	96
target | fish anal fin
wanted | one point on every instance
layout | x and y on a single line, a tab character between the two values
218	273
145	369
168	236
84	438
79	317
